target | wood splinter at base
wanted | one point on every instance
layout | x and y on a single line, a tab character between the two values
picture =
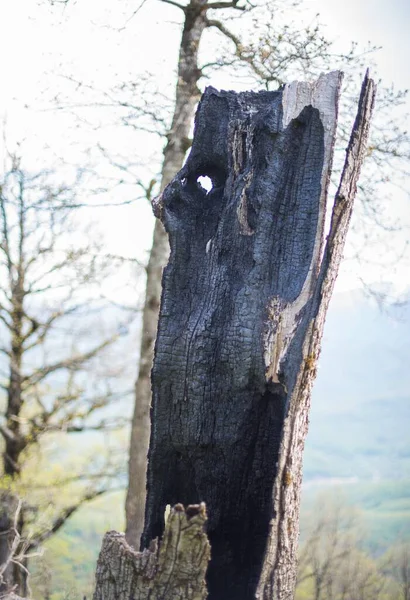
173	569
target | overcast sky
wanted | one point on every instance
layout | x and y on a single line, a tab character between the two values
37	43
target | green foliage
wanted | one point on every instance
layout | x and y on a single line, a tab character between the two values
70	556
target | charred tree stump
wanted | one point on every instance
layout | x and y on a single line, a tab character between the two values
244	301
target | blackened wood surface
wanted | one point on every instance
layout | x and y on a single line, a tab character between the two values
278	577
235	310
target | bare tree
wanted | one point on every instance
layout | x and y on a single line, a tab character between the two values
52	344
328	545
14	550
332	560
397	564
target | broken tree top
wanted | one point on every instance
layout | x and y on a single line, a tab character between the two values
239	298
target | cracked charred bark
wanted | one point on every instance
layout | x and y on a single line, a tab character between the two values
244	299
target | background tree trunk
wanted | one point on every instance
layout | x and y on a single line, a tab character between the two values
187	96
244	299
13	562
8	506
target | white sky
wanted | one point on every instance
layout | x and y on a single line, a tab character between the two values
37	43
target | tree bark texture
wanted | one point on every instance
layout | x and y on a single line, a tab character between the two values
244	299
14	442
278	577
187	96
173	571
15	576
13	573
8	506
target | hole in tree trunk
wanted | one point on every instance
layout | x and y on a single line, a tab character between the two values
205	182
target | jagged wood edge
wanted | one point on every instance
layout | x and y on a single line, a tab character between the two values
175	568
278	575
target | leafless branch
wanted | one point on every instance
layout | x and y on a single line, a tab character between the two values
5	245
7	433
40	538
104	425
15	543
19	549
69	364
233	4
132	15
173	3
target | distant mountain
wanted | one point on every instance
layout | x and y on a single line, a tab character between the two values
360	417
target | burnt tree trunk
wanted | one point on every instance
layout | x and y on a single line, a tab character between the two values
244	301
278	577
244	298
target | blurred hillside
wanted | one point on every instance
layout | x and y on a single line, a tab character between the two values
361	400
358	445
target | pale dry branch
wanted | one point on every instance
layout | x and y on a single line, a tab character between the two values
70	364
38	539
15	543
173	568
